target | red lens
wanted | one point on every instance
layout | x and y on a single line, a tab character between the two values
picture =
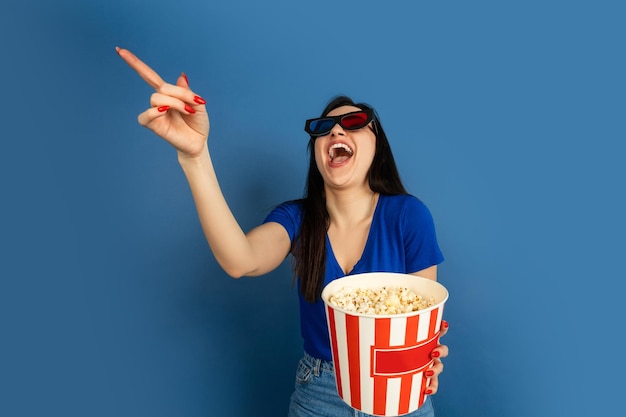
354	120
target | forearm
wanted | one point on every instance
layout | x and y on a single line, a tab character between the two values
430	273
227	240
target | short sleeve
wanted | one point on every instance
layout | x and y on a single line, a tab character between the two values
420	239
288	215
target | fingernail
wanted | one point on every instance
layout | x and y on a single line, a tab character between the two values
199	100
435	354
163	108
429	373
428	391
444	324
189	109
185	77
117	49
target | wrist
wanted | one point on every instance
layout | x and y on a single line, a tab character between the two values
194	159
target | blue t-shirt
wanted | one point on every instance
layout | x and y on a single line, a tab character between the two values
401	239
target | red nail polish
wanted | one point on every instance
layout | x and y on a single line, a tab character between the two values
428	391
444	324
163	108
435	354
189	109
429	373
199	100
185	77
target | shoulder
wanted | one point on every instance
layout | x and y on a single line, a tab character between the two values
292	208
406	208
402	202
292	205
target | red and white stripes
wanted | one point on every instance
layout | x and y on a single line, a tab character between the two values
380	361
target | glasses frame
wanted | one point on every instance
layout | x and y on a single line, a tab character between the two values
338	120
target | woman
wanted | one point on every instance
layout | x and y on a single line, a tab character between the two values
355	217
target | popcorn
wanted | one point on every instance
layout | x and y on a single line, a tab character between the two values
380	301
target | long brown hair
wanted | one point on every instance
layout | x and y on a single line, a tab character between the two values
309	249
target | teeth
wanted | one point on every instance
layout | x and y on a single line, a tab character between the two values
331	152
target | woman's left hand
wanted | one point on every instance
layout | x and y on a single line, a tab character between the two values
437	354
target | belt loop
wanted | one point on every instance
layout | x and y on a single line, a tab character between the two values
316	368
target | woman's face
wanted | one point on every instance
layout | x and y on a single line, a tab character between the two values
344	157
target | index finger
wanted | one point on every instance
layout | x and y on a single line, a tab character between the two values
144	71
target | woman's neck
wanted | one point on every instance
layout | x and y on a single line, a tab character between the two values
349	207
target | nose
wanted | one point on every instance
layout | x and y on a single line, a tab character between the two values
337	130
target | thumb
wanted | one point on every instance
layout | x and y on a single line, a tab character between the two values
182	80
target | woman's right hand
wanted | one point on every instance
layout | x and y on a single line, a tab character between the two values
179	116
176	114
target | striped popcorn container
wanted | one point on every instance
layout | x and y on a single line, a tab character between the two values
380	360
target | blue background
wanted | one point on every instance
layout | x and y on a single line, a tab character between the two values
506	118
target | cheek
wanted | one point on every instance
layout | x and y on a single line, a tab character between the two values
369	151
319	153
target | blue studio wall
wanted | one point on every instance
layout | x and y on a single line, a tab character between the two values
506	118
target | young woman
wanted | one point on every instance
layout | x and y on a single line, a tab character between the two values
355	217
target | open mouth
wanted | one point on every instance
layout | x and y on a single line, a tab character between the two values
340	152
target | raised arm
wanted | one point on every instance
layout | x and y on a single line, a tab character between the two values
179	116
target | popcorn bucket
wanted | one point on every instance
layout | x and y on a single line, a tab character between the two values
380	360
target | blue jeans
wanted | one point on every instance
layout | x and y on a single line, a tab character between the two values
316	395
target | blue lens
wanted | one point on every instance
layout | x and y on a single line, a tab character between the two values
322	125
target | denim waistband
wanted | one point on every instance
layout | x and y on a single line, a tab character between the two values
318	364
